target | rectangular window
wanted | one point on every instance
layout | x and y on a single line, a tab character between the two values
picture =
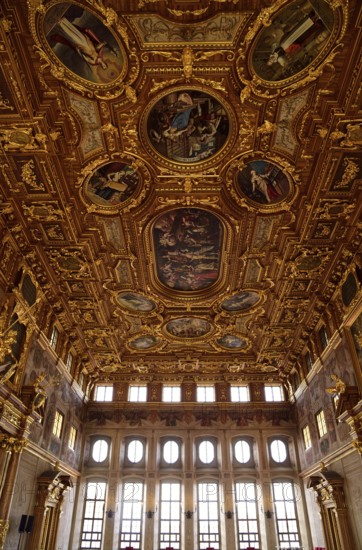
103	393
170	515
137	393
321	423
69	362
247	515
132	515
308	361
92	528
239	393
208	515
323	337
306	437
273	393
171	394
72	438
58	424
286	515
205	394
54	338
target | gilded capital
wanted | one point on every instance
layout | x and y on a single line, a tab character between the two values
12	444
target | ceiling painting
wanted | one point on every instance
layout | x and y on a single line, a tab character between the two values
298	35
188	327
112	184
242	301
133	301
232	342
82	43
188	247
145	342
182	182
263	182
187	126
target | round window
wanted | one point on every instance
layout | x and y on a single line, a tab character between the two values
100	450
278	450
171	452
242	451
135	451
206	452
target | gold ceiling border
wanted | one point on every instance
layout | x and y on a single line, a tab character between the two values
122	83
241	162
131	202
180	13
202	164
258	86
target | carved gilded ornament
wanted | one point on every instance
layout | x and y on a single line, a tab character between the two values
23	139
12	444
4	527
351	171
7	339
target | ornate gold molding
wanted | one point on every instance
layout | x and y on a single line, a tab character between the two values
12	444
4	527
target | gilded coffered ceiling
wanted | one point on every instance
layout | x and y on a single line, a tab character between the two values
183	179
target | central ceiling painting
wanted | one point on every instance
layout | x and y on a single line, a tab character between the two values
188	244
187	126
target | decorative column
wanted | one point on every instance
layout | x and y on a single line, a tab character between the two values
14	446
52	487
328	486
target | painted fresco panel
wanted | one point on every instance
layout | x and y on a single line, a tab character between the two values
187	244
241	301
296	36
188	327
263	182
112	184
187	126
83	43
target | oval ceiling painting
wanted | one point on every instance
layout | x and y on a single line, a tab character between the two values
136	302
112	184
188	327
240	301
230	341
187	126
263	182
296	36
144	342
188	245
83	43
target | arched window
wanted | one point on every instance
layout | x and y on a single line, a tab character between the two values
246	499
131	515
170	515
206	452
286	514
93	515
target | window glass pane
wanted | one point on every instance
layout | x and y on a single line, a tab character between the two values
284	507
205	394
273	393
171	394
103	393
138	393
135	451
171	452
100	450
246	511
131	515
278	450
170	508
239	393
206	452
208	516
92	525
242	451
